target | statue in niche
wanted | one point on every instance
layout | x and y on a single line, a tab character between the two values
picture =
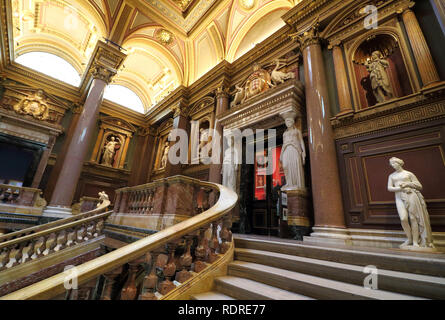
293	154
230	167
110	151
381	86
164	158
34	105
204	143
258	82
279	76
411	206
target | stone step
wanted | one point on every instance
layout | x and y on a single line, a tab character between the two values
385	259
245	289
307	285
394	281
211	295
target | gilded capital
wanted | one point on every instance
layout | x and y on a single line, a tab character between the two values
102	73
222	92
105	62
179	109
309	37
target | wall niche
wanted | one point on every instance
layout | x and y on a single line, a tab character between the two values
380	71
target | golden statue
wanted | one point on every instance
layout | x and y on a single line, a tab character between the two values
258	82
34	105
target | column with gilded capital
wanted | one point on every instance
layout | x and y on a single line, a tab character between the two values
105	63
422	53
222	105
344	96
326	190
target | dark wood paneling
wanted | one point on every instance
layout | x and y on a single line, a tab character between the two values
364	169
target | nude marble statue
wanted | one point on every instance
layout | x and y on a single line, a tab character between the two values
411	206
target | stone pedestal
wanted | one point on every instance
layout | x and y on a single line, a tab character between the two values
298	213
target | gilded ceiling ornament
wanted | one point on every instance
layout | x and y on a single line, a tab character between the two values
164	36
34	105
247	4
183	4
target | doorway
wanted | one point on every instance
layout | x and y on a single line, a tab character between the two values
260	185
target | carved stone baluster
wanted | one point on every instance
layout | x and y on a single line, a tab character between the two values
52	243
110	280
71	237
130	291
149	285
31	251
150	201
169	270
17	254
226	233
185	261
214	243
42	247
201	251
4	258
81	231
2	194
61	240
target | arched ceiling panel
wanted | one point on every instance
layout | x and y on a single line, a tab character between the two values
75	26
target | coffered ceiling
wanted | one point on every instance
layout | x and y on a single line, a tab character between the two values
168	42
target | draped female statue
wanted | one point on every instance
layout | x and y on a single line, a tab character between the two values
230	167
410	206
381	85
109	152
293	154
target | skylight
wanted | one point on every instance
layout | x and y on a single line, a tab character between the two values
50	65
125	97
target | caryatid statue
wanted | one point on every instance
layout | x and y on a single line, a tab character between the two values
109	152
230	166
381	86
411	206
293	154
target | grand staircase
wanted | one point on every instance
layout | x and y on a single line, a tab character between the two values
274	269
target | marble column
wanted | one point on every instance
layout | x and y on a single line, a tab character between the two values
76	110
72	167
43	163
222	105
105	62
180	121
326	190
422	54
344	95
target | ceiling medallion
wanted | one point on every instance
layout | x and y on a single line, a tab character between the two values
164	36
247	4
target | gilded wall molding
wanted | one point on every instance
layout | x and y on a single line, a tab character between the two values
405	111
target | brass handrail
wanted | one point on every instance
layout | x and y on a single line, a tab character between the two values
33	230
54	286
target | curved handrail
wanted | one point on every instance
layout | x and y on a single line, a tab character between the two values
54	286
102	206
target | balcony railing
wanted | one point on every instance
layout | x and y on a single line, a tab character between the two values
103	204
186	247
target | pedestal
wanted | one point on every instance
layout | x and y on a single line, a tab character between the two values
298	213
